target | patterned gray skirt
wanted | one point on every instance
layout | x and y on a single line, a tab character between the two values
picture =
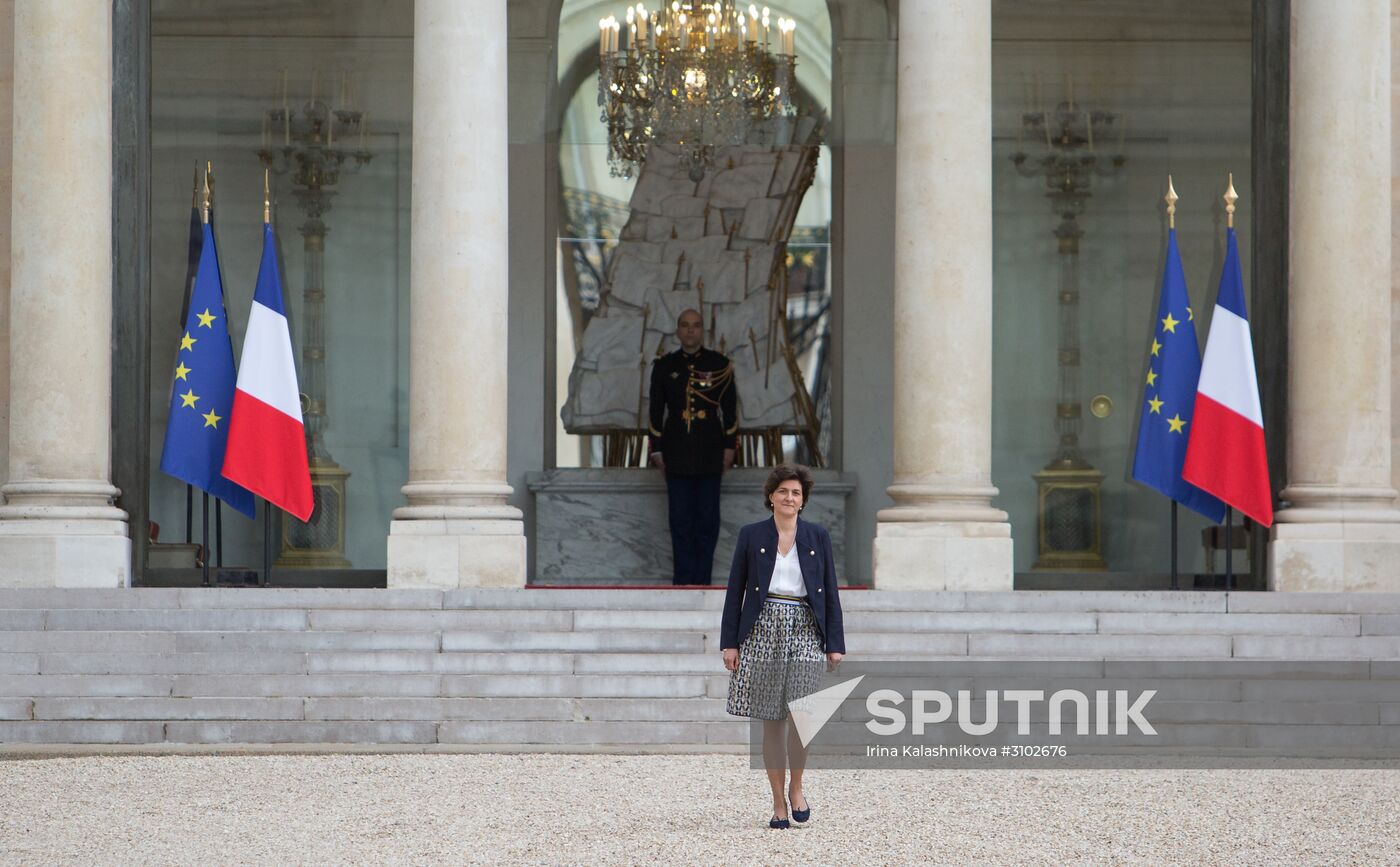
779	662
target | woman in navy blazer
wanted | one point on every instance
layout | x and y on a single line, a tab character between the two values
781	628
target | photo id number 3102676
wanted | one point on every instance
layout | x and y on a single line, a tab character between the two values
1035	750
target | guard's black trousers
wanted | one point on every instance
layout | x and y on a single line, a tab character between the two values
694	513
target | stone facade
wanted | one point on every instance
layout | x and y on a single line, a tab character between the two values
467	505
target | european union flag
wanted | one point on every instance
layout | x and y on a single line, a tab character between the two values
202	399
1173	369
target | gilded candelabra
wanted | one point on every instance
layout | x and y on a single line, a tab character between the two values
1069	507
320	145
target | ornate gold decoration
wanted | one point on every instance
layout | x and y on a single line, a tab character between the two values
1068	145
1070	521
694	74
1230	198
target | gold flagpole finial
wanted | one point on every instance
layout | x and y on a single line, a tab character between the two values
209	174
208	196
267	199
1171	199
1230	198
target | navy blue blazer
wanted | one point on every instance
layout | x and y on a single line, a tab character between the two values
754	555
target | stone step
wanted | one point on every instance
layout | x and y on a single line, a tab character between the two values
528	722
12	618
172	619
1375	647
503	709
209	642
170	663
18	605
164	631
19	663
443	663
515	734
168	709
530	732
457	619
84	685
387	709
52	670
1159	623
363	640
41	641
451	708
1315	603
385	685
663	598
82	732
866	644
301	732
622	641
1099	646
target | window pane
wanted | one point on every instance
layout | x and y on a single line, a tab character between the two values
594	208
1170	86
221	76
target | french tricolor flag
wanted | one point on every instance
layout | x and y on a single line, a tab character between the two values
266	439
1225	453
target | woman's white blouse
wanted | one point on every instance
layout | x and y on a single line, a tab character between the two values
787	575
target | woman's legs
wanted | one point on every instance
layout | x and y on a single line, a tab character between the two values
797	759
783	749
774	762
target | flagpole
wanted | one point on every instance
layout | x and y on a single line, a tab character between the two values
1230	198
267	543
1175	584
267	507
205	541
1229	547
204	214
219	532
260	452
191	267
1171	199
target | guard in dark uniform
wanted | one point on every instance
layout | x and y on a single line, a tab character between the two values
694	420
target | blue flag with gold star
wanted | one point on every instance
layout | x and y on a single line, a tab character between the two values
202	399
1173	369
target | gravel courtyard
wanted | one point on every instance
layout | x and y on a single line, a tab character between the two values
671	809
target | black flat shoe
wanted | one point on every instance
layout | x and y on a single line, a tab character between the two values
779	824
800	816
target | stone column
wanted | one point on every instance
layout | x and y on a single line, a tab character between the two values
7	89
59	526
458	529
943	532
1340	529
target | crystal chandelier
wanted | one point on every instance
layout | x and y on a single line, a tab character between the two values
693	75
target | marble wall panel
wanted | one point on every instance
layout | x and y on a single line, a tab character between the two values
610	526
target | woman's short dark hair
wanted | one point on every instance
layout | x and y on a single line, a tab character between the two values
787	473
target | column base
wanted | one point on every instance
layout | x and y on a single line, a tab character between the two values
444	554
969	555
1336	556
59	553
